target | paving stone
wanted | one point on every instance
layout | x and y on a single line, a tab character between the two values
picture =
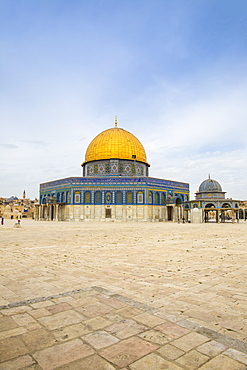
40	312
16	310
70	332
38	339
100	339
12	332
129	312
61	319
170	352
125	328
85	300
188	324
59	307
17	363
189	341
42	304
62	354
235	335
212	348
154	336
224	363
192	360
67	299
172	330
154	362
127	351
7	323
94	309
112	316
11	348
97	323
208	332
24	319
113	302
236	355
164	314
234	343
148	319
94	362
231	324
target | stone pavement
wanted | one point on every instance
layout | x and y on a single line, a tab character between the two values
96	329
123	296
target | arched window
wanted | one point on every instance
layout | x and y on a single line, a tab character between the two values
226	205
156	198
87	197
108	197
119	197
210	205
68	197
178	202
58	197
97	197
163	198
150	197
77	197
140	197
129	197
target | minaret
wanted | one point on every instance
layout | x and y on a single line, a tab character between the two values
24	195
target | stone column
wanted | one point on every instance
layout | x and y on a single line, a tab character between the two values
217	216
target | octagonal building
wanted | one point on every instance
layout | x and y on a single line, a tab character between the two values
115	186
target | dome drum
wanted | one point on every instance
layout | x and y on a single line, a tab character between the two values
115	167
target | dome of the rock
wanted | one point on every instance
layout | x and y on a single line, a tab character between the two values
115	143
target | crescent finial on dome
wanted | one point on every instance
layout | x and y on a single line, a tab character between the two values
116	122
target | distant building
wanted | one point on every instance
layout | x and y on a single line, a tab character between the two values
15	208
115	186
210	205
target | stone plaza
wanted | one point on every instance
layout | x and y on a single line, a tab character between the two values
114	295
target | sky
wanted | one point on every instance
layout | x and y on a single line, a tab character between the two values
173	71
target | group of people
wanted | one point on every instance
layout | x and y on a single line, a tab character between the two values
183	220
2	221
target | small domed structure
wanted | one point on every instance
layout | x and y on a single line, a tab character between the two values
210	188
210	185
210	204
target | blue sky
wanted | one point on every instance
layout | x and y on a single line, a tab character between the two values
173	71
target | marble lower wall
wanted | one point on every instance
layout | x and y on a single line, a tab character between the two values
106	213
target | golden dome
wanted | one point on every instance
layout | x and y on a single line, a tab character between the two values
115	143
